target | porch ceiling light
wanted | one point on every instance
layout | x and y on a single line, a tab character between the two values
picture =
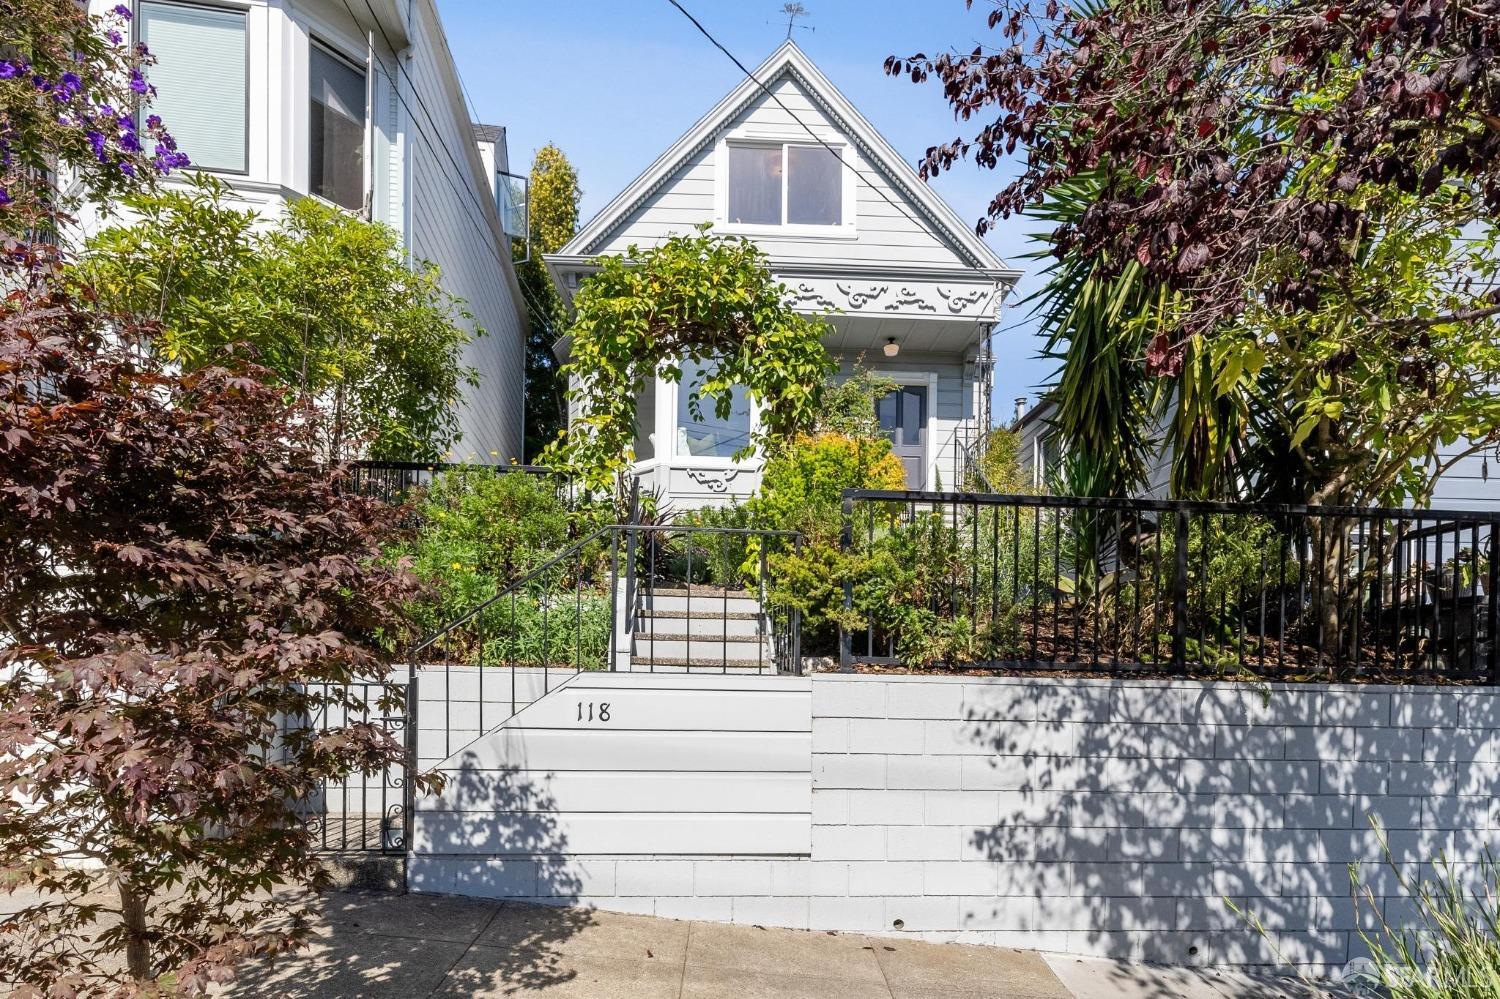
891	348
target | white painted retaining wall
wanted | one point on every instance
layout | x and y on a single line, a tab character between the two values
1091	817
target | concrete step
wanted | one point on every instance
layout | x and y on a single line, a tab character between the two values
695	601
710	650
707	624
734	667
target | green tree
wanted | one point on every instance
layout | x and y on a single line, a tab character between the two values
1299	200
703	298
848	406
329	303
554	220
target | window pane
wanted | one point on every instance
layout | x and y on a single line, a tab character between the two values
710	436
814	191
336	146
755	184
903	415
200	80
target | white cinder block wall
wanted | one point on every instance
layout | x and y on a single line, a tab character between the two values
1084	816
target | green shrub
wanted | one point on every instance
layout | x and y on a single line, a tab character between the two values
719	559
801	490
942	589
480	530
558	629
1454	950
802	487
1447	945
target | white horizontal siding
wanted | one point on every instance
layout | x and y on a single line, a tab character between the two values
452	214
887	233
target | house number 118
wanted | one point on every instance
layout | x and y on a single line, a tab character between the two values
601	714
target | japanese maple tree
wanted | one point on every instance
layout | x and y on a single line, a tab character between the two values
182	587
1296	198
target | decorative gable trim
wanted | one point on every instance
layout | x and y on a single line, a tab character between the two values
876	153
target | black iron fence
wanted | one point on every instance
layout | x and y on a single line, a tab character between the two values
365	812
395	481
1049	582
644	598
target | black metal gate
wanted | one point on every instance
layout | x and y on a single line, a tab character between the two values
367	813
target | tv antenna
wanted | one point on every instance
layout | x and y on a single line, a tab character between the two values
794	10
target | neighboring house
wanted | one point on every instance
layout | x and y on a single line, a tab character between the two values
1469	485
853	233
1037	441
358	104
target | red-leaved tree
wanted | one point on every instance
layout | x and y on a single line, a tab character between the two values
179	581
1243	153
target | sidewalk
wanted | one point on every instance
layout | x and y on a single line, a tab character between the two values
424	945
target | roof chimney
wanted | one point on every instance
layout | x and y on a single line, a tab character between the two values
1020	407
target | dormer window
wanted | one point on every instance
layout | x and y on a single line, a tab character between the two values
775	184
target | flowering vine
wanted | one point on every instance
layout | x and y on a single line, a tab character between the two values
73	89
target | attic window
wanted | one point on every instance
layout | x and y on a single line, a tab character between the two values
785	184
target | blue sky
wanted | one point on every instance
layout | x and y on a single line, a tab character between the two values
614	82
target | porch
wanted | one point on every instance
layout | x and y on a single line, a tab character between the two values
928	332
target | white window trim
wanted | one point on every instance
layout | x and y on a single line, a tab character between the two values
848	188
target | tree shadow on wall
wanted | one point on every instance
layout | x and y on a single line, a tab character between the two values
1129	816
491	835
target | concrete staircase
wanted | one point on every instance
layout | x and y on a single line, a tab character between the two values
700	630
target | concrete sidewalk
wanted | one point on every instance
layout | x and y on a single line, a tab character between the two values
425	945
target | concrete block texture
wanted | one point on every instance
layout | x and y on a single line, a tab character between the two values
1115	818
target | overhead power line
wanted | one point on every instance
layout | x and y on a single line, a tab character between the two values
878	189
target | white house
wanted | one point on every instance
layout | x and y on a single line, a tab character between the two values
357	103
856	237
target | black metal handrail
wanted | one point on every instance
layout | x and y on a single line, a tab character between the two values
1279	590
547	625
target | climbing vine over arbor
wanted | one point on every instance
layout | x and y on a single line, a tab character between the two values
701	298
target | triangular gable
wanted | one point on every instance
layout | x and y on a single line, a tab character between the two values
790	61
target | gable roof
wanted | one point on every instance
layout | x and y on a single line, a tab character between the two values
790	61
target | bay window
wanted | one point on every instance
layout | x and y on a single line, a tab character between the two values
201	76
709	436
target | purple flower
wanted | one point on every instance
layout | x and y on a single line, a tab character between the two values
115	38
41	83
137	81
96	139
71	83
123	10
130	143
4	196
128	169
153	121
7	69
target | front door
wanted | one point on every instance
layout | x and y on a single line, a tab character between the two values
903	420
